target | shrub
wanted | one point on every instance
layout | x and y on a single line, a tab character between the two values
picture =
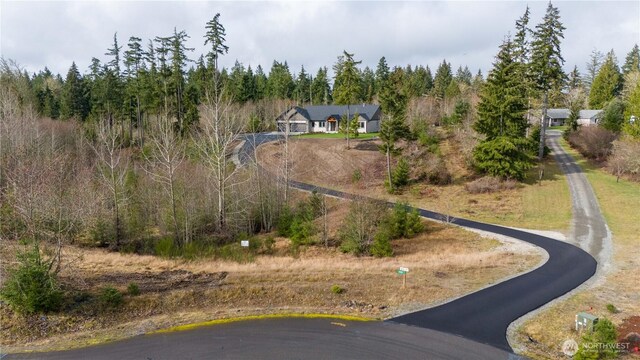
400	175
337	289
592	142
381	246
625	158
302	231
133	289
489	184
403	222
165	247
31	287
612	308
267	244
284	221
110	297
356	176
599	344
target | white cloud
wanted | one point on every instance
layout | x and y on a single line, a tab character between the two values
53	34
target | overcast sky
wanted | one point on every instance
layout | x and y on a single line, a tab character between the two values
313	34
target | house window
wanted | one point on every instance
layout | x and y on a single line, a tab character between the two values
314	124
321	124
362	125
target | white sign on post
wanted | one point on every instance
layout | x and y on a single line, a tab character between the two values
404	269
244	243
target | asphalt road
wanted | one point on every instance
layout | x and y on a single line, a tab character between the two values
289	339
470	327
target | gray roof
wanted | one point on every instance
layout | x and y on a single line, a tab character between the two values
323	112
558	113
589	114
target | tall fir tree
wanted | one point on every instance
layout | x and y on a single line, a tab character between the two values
320	88
503	103
442	79
607	84
593	66
632	61
347	88
547	61
74	103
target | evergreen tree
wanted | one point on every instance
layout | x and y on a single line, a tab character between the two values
280	82
320	88
593	66
114	64
442	79
613	116
236	81
133	60
179	61
302	88
632	61
249	88
607	83
368	84
464	76
347	88
502	100
382	74
575	80
216	37
261	83
393	128
74	102
521	48
546	61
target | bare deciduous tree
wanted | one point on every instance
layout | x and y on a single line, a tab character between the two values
164	160
220	133
112	163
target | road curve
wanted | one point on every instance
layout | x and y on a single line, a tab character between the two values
485	315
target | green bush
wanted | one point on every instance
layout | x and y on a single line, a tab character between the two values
337	289
599	344
302	231
31	287
133	289
165	247
381	246
400	175
612	308
356	176
110	297
267	244
284	221
404	222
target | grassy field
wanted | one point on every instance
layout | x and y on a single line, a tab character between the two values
620	203
445	262
336	136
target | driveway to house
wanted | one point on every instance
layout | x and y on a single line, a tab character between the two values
471	327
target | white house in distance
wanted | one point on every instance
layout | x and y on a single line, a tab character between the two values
558	117
326	118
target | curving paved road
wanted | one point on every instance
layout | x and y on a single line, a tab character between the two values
479	320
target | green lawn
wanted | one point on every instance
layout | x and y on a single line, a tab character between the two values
336	136
561	127
619	201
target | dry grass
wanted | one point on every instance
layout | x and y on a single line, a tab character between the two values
544	206
619	202
445	262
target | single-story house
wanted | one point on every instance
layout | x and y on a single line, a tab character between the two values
558	117
327	118
589	117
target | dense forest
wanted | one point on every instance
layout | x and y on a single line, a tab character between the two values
134	154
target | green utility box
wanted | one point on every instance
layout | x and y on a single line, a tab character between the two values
585	321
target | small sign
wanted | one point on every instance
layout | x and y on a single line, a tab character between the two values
244	243
401	272
405	269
